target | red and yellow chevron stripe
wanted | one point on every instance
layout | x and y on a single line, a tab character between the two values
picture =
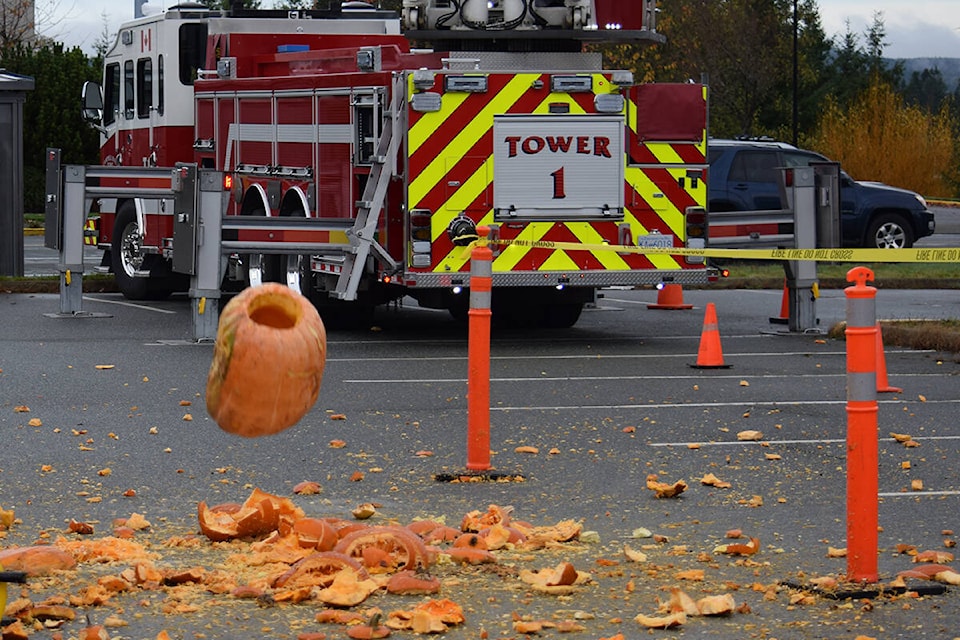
450	164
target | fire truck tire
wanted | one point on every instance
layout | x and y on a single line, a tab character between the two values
562	315
127	256
339	315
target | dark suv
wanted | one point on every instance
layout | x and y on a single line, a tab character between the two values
743	177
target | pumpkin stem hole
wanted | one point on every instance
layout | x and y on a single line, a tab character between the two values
272	310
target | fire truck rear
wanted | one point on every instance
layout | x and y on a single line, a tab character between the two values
339	130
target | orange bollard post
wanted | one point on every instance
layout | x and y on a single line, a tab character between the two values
478	375
883	385
863	475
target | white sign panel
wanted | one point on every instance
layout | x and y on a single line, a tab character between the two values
558	166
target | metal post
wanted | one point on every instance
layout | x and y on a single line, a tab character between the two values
478	378
205	283
71	246
802	274
862	441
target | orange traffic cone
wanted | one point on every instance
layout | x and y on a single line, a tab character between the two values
784	307
670	297
710	355
882	385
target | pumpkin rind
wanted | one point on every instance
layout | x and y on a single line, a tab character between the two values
268	361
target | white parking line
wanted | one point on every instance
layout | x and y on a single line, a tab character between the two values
771	376
917	494
123	303
616	356
712	405
747	443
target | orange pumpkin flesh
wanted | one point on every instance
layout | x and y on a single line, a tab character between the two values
268	361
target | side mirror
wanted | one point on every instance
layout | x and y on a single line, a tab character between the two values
92	104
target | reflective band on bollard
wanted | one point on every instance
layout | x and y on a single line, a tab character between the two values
862	441
478	376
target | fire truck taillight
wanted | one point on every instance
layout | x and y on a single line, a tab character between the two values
420	237
227	182
696	226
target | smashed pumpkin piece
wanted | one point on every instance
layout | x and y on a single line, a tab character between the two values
307	488
680	602
935	557
499	536
260	514
664	489
51	612
81	528
94	632
368	631
739	549
318	570
400	548
557	581
948	577
634	555
528	626
476	521
427	614
37	560
563	531
339	616
137	522
662	622
470	555
720	605
16	631
714	481
413	583
694	575
141	574
348	589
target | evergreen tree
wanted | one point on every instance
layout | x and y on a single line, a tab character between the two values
51	113
926	89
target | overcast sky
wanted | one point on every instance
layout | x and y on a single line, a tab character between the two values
915	28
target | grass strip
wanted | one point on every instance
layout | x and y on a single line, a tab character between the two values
938	335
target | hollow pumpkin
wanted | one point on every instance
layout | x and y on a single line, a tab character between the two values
268	361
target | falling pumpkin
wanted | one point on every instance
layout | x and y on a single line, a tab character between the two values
268	361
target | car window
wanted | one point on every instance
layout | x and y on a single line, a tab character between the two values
754	166
801	159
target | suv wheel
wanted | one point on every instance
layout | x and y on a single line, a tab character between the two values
889	231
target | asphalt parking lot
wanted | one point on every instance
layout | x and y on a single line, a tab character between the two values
602	405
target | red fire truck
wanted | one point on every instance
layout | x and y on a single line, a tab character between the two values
395	136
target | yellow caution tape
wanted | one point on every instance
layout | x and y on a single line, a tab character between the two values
816	255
